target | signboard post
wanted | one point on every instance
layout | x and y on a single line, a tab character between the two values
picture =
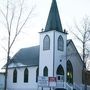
49	82
52	81
42	81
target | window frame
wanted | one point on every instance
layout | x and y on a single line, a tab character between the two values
60	43
46	43
15	76
45	71
37	74
60	70
26	75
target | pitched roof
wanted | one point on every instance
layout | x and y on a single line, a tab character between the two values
70	43
54	22
30	56
27	56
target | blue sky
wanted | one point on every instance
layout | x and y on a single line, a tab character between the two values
70	11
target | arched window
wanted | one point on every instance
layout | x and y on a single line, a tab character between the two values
69	72
26	75
60	70
60	43
15	76
46	43
37	74
45	71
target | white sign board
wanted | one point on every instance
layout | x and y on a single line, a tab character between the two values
52	81
42	81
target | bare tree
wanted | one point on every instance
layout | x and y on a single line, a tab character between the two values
83	35
14	24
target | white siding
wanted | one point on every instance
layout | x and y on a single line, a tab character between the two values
20	79
51	58
73	56
2	79
60	55
46	56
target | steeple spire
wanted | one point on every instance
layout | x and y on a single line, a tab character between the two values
53	22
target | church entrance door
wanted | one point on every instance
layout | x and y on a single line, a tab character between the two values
60	76
60	73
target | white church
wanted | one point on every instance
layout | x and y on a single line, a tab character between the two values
55	64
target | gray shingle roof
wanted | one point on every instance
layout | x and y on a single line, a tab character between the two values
27	56
53	22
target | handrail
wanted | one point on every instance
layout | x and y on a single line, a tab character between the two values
77	87
67	86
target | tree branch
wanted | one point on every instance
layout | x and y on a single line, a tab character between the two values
80	31
13	13
25	21
77	36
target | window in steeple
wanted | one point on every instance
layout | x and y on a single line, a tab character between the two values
46	43
60	43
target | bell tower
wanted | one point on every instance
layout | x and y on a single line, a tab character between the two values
53	39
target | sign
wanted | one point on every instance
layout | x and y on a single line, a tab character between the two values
52	81
60	78
42	81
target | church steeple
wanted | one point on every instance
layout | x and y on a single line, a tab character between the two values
54	22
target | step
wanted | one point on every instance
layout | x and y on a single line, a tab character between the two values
60	89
